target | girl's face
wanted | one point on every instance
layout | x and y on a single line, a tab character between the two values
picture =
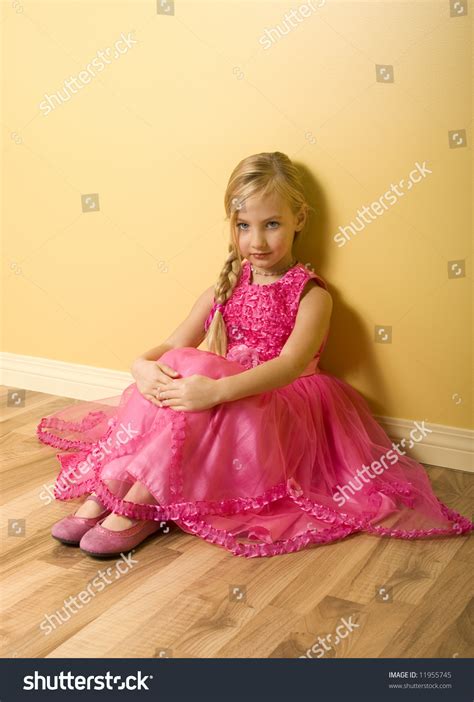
267	226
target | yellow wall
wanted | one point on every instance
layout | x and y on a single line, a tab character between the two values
156	134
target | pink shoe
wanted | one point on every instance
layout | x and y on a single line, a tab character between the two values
71	529
101	542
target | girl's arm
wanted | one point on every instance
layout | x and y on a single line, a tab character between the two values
311	325
189	333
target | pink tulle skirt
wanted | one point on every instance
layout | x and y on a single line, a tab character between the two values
264	475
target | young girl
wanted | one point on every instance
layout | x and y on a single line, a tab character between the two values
250	445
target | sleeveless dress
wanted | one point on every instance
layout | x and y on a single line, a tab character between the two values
268	474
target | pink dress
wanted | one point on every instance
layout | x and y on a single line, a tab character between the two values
300	465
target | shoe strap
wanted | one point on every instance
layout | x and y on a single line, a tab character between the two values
135	522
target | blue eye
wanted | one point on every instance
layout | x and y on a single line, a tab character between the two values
240	224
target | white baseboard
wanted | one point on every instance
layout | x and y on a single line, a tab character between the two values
59	378
450	447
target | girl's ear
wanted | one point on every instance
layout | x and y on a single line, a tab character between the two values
301	219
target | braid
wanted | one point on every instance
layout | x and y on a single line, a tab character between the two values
228	277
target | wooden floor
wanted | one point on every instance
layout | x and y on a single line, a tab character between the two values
186	598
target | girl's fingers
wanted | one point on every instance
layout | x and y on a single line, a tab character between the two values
164	382
161	387
167	392
153	399
171	402
167	368
176	408
170	371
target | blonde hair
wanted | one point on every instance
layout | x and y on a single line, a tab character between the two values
260	174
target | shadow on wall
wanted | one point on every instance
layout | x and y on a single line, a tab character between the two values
349	330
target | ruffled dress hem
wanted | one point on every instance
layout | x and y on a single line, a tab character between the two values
186	514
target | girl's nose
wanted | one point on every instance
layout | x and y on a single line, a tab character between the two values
259	240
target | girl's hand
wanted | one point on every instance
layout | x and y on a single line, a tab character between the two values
150	376
191	394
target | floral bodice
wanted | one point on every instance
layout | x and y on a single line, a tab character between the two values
260	318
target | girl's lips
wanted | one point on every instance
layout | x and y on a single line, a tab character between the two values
260	255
